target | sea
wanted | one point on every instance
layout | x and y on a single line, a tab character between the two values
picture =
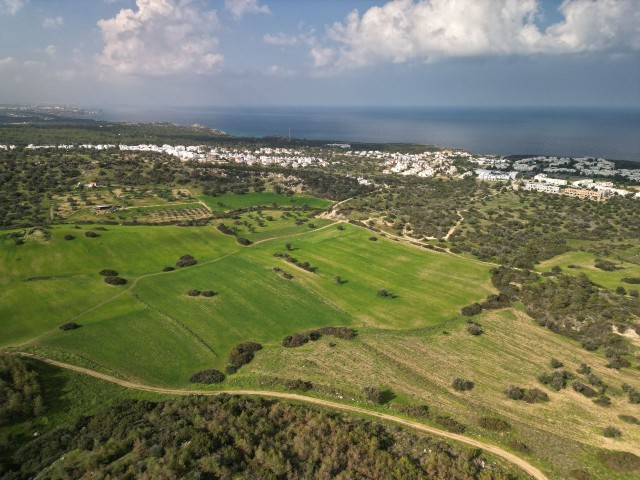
576	132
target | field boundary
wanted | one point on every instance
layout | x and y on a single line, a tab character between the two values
493	449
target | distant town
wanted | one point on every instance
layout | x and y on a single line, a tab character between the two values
582	177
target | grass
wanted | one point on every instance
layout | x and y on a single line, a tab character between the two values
585	262
231	201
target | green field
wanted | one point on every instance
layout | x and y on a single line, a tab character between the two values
152	320
231	201
584	262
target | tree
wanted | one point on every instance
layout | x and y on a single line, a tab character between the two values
462	385
337	279
288	246
207	377
471	310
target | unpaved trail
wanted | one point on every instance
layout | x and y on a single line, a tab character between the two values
510	457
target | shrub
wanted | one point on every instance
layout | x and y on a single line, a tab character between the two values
450	424
208	293
207	377
514	393
419	411
224	229
373	239
611	432
69	237
629	419
115	280
471	310
579	474
383	292
555	363
534	395
69	326
634	395
242	353
90	234
494	424
287	276
617	362
244	241
373	394
462	385
520	446
194	292
108	273
186	261
619	461
603	401
583	389
631	280
475	329
344	333
298	384
584	369
230	369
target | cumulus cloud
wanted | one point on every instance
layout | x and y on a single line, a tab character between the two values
53	22
280	39
161	37
239	8
430	30
50	50
12	6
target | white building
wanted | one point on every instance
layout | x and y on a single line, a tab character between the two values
541	187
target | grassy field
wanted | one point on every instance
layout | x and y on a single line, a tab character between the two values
156	320
418	367
231	201
584	262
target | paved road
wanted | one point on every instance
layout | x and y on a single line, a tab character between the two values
524	465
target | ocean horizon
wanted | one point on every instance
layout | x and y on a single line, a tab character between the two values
612	133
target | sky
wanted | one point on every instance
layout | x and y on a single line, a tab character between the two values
579	53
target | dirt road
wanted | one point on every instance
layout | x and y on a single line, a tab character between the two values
527	467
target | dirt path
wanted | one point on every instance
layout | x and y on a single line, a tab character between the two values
455	227
524	465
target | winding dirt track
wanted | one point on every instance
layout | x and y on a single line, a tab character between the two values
527	467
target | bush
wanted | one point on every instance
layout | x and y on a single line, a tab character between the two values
494	424
471	310
168	269
383	292
186	261
338	332
617	362
207	377
69	326
419	411
611	432
629	419
634	395
462	385
603	401
298	384
108	273
619	461
69	237
194	292
583	389
514	393
475	329
520	446
91	234
224	229
450	424
555	363
230	369
373	239
208	293
535	395
373	394
244	241
115	280
631	280
242	353
584	369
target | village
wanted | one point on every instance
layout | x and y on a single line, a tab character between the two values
581	175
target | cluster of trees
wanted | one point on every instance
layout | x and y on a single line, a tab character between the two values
299	339
20	392
242	354
238	437
186	261
529	395
207	377
194	292
303	265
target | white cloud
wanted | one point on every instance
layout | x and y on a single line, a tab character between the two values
161	37
12	6
279	71
5	62
239	8
430	30
280	39
50	50
53	22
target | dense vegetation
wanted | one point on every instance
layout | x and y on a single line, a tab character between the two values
20	396
231	437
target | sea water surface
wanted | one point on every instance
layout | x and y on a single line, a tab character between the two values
602	132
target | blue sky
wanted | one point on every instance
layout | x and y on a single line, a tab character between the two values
329	52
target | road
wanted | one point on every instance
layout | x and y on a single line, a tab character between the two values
524	465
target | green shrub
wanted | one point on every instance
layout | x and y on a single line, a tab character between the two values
450	424
207	377
555	363
494	424
475	329
611	432
619	461
193	292
462	385
629	419
115	280
108	273
69	326
471	310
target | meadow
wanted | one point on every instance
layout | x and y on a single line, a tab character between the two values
231	201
